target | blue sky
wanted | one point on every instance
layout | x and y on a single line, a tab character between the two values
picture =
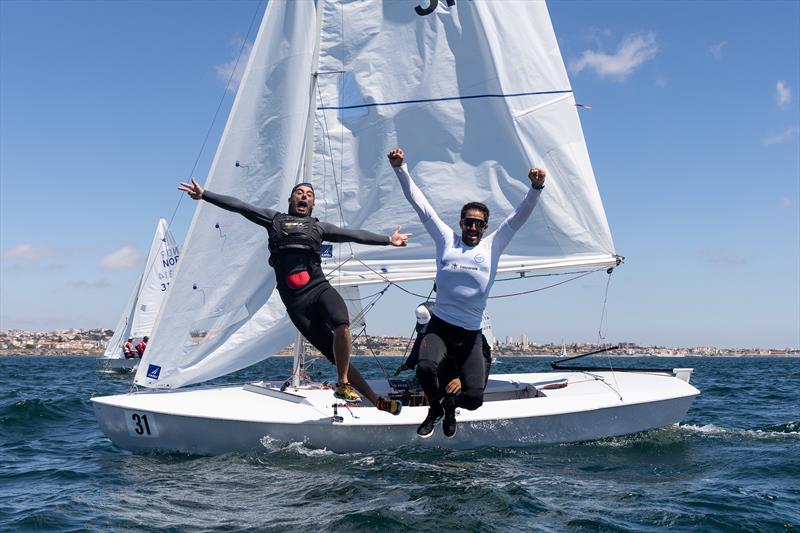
693	133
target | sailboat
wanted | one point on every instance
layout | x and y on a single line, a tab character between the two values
140	312
476	92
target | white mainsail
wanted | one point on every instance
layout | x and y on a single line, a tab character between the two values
139	315
475	92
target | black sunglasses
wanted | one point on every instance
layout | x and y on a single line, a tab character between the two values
469	221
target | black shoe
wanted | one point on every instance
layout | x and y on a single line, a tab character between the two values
449	426
425	429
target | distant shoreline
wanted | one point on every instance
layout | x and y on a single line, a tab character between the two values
509	356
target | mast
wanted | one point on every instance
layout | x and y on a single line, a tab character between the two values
298	361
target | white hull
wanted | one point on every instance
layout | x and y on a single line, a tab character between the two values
120	365
518	411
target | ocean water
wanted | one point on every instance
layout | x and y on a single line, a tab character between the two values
732	465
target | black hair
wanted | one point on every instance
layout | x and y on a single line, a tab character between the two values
475	205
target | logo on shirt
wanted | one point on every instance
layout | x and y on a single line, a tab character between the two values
326	251
153	371
479	259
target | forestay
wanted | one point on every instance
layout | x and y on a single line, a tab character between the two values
144	302
476	92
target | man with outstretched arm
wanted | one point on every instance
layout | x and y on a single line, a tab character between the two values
313	305
451	367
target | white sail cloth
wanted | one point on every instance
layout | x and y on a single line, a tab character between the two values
140	312
476	93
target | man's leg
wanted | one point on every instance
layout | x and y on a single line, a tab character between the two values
432	351
342	344
473	377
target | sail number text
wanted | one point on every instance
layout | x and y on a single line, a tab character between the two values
422	11
141	424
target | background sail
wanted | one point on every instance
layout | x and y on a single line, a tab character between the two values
214	320
162	260
123	328
139	315
475	93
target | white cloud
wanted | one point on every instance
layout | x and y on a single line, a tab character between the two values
783	95
782	137
716	49
786	202
30	253
224	71
125	257
661	81
633	51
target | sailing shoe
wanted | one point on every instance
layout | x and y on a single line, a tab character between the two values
346	392
435	413
449	426
390	406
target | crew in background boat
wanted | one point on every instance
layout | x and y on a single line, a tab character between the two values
141	346
128	350
313	305
451	350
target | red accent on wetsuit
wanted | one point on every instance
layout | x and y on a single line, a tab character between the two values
140	348
295	280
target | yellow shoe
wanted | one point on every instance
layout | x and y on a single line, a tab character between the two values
390	406
346	392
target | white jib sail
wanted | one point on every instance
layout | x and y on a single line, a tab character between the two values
215	320
475	92
139	316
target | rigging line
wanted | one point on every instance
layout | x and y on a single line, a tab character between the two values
387	280
543	275
366	297
604	313
604	317
548	286
327	137
374	355
444	99
369	306
210	127
219	105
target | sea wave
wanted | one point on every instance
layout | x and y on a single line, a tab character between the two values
37	410
785	430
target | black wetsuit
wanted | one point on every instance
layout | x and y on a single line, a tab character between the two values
446	352
316	309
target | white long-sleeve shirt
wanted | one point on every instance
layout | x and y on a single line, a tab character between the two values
464	274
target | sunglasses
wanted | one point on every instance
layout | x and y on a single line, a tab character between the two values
469	222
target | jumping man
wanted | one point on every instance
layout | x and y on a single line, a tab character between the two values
451	367
313	305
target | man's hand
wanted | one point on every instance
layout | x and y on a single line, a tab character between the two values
396	157
192	189
399	239
537	175
454	387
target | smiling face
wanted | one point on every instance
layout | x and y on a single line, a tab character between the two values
301	202
473	224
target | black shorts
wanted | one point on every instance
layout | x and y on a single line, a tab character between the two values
316	315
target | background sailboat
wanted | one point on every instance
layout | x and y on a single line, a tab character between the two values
146	298
476	92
